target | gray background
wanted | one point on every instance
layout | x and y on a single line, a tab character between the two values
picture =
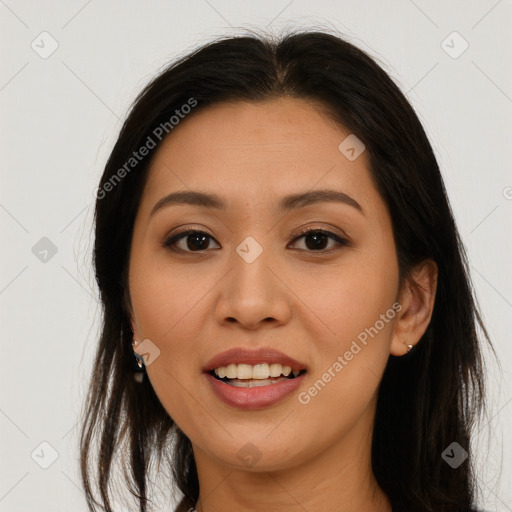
61	113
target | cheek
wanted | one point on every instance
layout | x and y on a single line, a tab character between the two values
355	304
166	309
165	299
372	288
349	297
354	350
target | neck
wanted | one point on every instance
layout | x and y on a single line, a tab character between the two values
275	492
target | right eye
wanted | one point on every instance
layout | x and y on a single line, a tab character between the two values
196	241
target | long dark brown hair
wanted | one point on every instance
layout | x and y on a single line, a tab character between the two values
426	399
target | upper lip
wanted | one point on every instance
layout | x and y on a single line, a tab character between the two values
252	357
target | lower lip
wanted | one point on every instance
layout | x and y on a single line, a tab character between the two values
256	397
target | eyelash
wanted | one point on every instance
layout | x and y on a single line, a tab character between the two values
342	242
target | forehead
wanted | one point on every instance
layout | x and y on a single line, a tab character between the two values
257	151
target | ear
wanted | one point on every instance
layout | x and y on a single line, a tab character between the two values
416	296
135	329
133	320
136	339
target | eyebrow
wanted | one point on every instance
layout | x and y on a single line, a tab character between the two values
288	203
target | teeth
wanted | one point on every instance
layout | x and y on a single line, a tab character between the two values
254	383
260	371
231	371
275	370
244	371
257	372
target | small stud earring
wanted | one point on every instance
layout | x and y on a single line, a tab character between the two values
409	348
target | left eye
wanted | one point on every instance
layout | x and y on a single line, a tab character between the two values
318	237
315	240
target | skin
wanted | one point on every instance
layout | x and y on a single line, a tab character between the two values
308	303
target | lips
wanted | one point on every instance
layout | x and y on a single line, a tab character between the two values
252	357
253	398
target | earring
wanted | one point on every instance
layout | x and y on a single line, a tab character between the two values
138	366
409	348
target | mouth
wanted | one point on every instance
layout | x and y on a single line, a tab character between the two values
249	376
254	386
254	378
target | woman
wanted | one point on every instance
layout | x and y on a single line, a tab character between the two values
280	271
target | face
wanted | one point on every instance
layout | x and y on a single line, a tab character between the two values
251	279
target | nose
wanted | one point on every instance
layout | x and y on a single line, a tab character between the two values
253	294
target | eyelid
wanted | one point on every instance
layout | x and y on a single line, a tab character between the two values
318	229
341	240
172	239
